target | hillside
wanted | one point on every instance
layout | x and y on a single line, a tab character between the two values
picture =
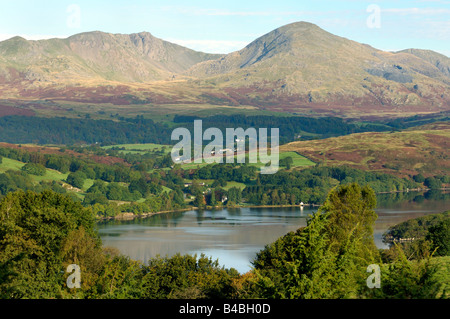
298	68
423	149
95	56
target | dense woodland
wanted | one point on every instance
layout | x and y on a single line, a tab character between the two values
120	130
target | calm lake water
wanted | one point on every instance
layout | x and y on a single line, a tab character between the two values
234	236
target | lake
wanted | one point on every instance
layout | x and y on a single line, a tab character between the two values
234	236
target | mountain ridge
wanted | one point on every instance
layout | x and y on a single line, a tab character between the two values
294	68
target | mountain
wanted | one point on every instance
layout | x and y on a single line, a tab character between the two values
301	65
137	57
296	68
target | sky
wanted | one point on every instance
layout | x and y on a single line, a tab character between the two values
226	26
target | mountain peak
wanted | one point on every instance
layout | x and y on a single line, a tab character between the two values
299	26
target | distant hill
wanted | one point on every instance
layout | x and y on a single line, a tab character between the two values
424	149
297	68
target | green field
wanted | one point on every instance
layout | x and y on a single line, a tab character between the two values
234	184
50	175
299	161
8	164
140	148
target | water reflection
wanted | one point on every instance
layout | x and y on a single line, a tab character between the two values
234	236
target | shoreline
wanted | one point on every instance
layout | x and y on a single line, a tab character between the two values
132	216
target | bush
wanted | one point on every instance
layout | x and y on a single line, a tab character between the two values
439	235
34	169
433	183
76	179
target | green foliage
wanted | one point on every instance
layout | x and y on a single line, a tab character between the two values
328	257
199	200
76	179
351	210
42	233
439	235
34	169
405	279
34	228
312	185
120	278
11	181
417	228
186	277
419	178
23	129
433	183
286	162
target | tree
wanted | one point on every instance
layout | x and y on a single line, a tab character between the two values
234	195
82	249
95	198
419	178
406	279
139	185
33	230
433	183
327	258
351	210
34	169
265	199
213	200
439	235
76	179
186	277
199	200
298	265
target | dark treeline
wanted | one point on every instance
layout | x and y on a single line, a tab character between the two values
417	120
66	131
61	130
290	127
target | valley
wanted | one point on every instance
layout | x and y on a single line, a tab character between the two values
85	142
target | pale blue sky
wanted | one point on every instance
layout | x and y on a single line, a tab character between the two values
226	26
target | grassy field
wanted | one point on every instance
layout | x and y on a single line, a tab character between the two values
299	161
8	164
50	175
234	184
141	148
